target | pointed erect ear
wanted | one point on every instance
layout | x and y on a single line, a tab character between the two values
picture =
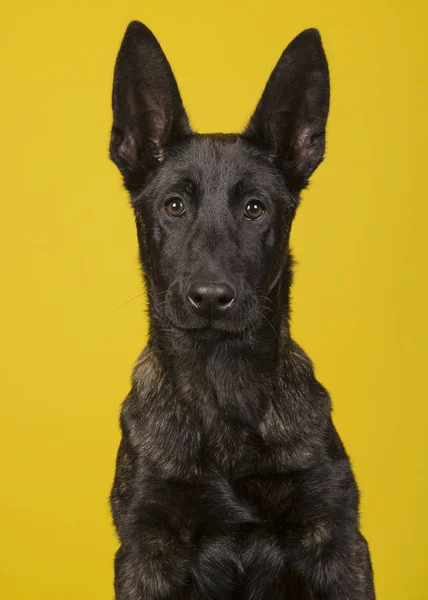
148	114
290	119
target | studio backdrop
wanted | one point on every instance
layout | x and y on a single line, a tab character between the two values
72	305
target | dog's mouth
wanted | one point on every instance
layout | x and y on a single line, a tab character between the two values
238	321
208	333
211	331
215	333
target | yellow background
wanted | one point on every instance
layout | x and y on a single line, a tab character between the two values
69	263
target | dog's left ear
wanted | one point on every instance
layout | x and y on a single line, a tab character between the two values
148	114
290	119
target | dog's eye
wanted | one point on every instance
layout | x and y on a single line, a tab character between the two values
175	207
254	210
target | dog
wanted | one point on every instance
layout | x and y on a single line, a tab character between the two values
231	480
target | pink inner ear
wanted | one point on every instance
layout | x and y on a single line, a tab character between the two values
154	125
157	130
127	148
303	139
151	125
304	147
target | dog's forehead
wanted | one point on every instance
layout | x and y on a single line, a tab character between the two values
219	161
220	157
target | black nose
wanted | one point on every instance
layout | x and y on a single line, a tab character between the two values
211	299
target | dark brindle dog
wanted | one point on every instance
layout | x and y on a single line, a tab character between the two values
231	479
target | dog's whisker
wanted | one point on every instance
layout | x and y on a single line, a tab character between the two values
268	299
159	304
267	321
130	300
161	292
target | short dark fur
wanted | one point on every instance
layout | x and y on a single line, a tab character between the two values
231	480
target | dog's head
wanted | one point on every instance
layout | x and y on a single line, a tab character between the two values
214	212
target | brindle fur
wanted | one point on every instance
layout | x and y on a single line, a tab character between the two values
231	479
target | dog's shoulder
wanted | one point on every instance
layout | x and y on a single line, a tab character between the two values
148	376
148	388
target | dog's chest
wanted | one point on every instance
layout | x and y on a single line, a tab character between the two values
234	448
238	448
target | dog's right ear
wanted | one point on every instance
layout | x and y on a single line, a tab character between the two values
148	114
